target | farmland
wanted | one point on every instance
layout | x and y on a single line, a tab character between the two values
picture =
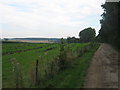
47	55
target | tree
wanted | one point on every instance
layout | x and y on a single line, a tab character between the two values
87	35
72	40
109	31
6	39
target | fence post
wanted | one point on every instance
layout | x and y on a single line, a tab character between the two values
36	72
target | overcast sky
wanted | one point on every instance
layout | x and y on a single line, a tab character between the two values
48	18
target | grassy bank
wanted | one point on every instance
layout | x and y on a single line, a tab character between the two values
74	76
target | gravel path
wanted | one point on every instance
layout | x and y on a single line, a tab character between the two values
103	70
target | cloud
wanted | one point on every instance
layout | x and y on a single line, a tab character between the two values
49	18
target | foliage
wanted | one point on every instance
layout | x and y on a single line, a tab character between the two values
73	77
62	56
6	39
110	29
72	40
87	35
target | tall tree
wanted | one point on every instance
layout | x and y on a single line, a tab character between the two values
87	35
109	31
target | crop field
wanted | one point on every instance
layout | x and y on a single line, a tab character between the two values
25	55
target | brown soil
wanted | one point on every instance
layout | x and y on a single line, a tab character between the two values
103	70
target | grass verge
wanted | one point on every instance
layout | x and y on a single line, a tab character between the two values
74	76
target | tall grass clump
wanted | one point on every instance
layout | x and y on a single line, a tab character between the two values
62	56
17	73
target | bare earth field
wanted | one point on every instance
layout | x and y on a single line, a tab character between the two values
103	70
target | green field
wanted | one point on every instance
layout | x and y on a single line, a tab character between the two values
26	54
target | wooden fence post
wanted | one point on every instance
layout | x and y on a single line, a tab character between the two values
36	72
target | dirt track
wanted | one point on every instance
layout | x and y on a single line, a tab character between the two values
103	70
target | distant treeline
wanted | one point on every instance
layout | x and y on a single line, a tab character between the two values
110	27
12	40
86	35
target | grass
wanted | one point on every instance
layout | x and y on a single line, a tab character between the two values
72	77
27	60
13	47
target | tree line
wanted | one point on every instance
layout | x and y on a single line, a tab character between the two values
110	29
86	35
